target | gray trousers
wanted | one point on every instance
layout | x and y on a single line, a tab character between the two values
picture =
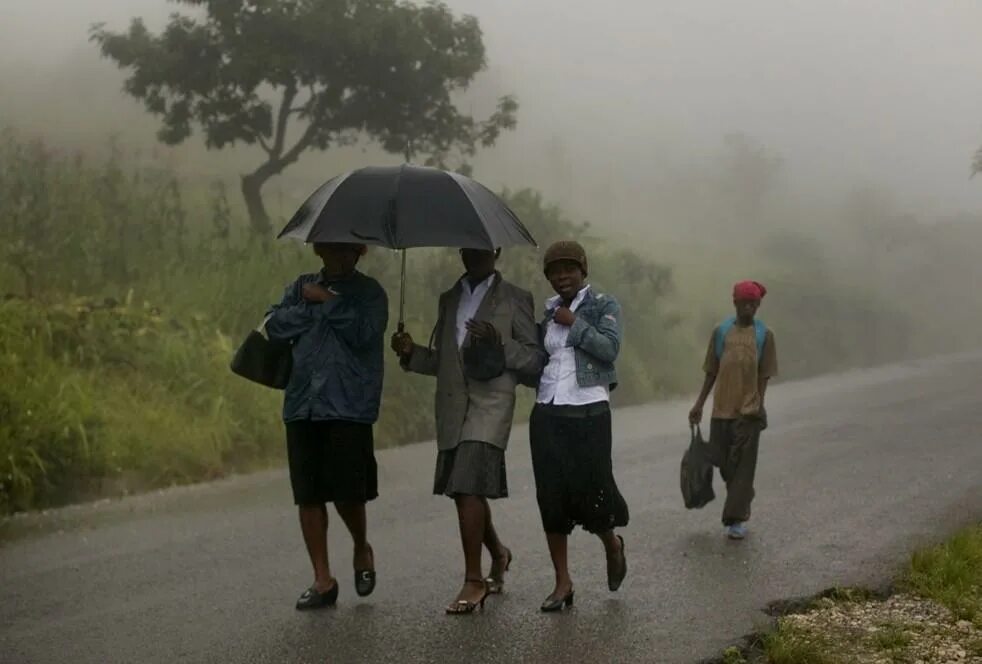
733	449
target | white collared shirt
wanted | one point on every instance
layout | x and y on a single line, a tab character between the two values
558	383
470	302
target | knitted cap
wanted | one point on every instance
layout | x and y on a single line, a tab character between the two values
565	250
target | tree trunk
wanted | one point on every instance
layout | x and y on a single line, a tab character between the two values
252	186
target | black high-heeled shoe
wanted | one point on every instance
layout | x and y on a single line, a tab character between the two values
617	572
553	604
496	584
462	606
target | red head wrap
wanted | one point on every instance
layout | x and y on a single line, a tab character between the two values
749	290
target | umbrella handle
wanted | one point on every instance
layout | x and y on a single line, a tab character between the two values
402	295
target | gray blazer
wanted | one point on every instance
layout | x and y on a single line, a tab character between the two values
470	409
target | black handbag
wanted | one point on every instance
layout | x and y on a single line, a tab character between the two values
483	360
264	361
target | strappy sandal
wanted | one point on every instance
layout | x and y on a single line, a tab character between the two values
497	583
462	606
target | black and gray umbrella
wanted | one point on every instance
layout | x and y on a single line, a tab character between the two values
407	206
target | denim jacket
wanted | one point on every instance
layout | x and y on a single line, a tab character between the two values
337	349
595	336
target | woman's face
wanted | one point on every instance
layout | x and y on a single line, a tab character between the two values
566	278
339	258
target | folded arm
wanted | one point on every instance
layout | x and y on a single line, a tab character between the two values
293	316
602	341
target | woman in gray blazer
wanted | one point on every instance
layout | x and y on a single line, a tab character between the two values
481	314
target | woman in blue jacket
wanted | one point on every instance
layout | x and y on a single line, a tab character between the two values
335	320
570	427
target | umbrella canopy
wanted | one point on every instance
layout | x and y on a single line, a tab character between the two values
407	206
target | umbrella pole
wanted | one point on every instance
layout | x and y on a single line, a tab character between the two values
402	284
402	295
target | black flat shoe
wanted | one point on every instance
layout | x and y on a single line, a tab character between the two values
617	572
553	604
365	578
364	582
312	599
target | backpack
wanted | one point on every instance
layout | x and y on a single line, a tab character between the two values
725	326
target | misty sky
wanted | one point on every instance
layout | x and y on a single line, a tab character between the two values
883	92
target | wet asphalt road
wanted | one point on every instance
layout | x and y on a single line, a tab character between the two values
855	471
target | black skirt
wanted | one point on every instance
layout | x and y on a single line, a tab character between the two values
473	468
574	478
331	461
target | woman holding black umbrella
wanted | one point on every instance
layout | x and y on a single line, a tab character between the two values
484	339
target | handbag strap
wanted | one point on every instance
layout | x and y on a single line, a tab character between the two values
262	326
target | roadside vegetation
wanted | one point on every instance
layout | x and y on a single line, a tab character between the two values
125	288
933	616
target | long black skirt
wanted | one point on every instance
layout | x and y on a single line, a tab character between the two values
574	478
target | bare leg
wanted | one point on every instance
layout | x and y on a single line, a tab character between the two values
353	515
612	545
472	515
498	551
558	551
500	554
313	523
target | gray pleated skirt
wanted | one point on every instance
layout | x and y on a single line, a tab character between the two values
473	468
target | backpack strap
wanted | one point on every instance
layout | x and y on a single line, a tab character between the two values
760	330
721	332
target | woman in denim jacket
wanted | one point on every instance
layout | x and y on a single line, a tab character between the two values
570	428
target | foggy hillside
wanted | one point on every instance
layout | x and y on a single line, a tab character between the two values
618	105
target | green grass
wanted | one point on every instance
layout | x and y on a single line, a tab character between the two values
951	574
848	594
94	398
733	655
974	647
791	645
892	637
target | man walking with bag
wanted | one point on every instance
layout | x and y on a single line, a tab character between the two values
741	358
